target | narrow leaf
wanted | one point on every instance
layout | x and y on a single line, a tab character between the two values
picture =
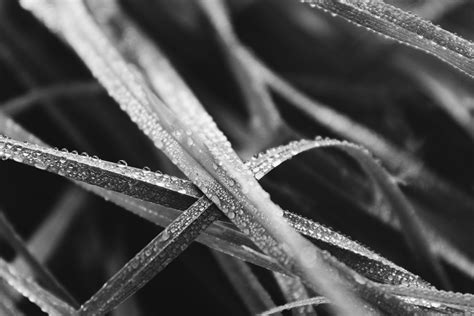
43	299
406	28
23	102
298	304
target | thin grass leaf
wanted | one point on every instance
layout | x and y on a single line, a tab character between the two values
425	298
294	290
195	159
33	267
46	301
246	284
406	28
298	304
399	205
15	106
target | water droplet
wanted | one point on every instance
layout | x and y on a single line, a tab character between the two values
164	235
122	163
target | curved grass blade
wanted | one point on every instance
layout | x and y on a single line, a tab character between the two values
298	304
46	301
406	28
19	104
294	290
399	205
34	267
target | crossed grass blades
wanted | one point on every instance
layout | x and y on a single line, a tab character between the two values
221	204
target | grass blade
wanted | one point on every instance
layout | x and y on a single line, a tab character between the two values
400	207
294	290
406	28
298	304
28	288
16	105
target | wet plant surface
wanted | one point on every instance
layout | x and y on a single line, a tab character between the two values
236	157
